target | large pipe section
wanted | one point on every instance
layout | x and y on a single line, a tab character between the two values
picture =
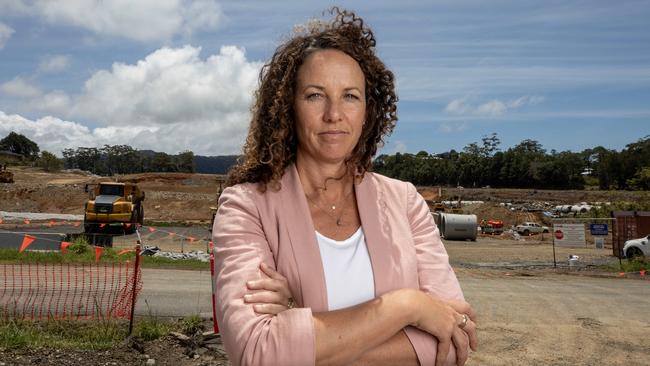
457	227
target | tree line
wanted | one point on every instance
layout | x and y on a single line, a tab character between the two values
526	165
106	160
123	159
479	164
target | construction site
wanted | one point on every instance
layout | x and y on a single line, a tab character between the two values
505	271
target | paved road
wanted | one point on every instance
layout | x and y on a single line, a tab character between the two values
181	292
175	293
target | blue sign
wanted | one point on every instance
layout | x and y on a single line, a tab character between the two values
598	229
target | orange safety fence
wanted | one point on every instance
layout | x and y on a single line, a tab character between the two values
68	291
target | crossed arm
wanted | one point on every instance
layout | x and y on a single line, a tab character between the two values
371	333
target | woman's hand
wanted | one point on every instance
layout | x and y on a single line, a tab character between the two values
465	336
442	319
269	295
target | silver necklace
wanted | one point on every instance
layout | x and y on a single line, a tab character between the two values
330	214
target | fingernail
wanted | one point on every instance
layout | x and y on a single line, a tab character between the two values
264	265
247	297
250	283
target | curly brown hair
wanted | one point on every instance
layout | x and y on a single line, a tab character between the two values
272	143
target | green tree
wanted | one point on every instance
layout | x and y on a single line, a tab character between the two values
19	144
640	180
49	162
162	162
185	162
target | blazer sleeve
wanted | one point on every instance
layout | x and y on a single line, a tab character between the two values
434	272
240	245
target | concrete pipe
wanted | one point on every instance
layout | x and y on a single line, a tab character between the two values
458	227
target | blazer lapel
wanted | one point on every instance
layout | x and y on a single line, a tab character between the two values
371	211
303	241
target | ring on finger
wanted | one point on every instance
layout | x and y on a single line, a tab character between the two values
463	321
291	304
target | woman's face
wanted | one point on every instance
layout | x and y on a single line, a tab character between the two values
329	106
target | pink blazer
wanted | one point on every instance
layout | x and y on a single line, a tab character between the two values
276	227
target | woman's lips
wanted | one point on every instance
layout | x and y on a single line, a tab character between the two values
332	135
333	132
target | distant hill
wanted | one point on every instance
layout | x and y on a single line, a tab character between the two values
214	164
204	164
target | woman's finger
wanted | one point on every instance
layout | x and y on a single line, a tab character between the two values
268	297
462	307
271	272
269	308
471	331
443	351
461	343
269	284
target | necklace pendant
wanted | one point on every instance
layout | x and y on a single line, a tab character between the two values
333	207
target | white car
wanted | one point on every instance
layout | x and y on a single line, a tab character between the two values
528	228
637	247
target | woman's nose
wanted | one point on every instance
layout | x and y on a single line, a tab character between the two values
332	112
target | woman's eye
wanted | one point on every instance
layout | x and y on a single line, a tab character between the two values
314	96
350	96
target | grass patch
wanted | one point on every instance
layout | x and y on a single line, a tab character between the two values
192	324
168	263
635	265
17	334
150	328
94	335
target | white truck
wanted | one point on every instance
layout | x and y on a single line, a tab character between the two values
528	228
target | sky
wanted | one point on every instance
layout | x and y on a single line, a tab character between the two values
176	75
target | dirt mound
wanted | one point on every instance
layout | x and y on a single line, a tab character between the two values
175	197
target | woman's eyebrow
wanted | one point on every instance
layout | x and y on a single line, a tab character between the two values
322	88
353	88
319	87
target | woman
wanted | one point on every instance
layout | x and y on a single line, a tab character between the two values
318	260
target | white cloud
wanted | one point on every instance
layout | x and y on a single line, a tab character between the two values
55	102
450	127
5	34
492	108
54	134
201	15
142	20
51	134
15	7
19	87
170	101
170	85
457	106
525	100
55	63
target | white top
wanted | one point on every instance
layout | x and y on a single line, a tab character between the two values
348	272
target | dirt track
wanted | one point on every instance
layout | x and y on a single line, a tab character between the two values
559	319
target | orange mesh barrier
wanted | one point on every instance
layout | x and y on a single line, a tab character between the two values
68	291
